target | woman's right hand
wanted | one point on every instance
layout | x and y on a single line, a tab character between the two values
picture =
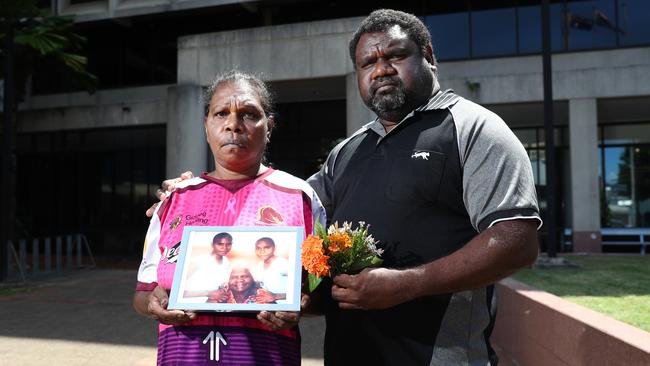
167	187
156	305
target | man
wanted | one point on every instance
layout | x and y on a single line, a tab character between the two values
448	191
211	273
271	271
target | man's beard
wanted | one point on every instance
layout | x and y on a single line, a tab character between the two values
387	104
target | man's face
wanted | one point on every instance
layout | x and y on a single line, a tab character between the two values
392	74
240	280
264	250
222	247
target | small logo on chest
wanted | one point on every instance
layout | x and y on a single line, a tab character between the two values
269	216
424	155
174	224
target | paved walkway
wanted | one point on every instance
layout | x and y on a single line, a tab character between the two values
86	318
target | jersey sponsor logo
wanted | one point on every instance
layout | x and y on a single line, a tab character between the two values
175	222
424	155
199	218
171	254
269	216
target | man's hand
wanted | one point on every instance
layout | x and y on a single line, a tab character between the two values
157	301
373	288
495	253
168	187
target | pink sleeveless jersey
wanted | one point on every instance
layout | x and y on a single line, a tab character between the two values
272	198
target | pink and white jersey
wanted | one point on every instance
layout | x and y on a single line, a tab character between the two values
272	198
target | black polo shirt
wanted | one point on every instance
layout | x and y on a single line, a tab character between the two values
449	170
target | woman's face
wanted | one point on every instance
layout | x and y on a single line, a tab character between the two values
240	280
237	127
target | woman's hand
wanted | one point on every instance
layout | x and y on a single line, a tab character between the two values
283	319
154	305
277	320
220	295
264	297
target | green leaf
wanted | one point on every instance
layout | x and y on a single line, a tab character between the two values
314	281
362	263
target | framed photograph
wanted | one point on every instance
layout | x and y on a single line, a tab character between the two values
238	268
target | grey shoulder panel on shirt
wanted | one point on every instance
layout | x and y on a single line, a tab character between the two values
498	180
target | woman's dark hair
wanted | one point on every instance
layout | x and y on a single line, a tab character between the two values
383	19
234	76
220	236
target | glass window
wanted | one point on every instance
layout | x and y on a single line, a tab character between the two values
626	134
618	188
633	21
450	35
111	184
494	32
44	4
530	29
75	2
626	177
541	156
534	162
591	24
527	136
558	27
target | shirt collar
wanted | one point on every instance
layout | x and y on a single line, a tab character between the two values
439	100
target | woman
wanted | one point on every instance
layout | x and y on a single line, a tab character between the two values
241	191
242	289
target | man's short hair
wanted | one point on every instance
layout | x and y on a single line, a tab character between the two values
267	240
220	236
383	19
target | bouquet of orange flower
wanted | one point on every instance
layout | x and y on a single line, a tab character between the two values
337	251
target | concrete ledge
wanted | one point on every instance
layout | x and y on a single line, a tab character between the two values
537	328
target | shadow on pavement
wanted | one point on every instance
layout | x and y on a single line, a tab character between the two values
86	305
94	306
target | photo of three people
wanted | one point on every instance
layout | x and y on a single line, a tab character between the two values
221	269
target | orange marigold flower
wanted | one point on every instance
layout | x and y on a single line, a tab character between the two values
339	242
313	257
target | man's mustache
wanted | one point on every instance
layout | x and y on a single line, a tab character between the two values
384	81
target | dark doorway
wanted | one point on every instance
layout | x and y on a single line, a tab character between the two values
304	135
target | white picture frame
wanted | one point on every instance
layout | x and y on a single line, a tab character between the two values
195	253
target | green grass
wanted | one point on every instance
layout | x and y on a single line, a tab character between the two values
14	290
617	286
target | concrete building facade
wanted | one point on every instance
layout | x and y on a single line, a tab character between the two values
601	99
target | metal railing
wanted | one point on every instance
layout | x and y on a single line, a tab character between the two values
619	236
626	236
50	255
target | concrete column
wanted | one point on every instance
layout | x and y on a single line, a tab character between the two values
186	141
585	196
357	113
